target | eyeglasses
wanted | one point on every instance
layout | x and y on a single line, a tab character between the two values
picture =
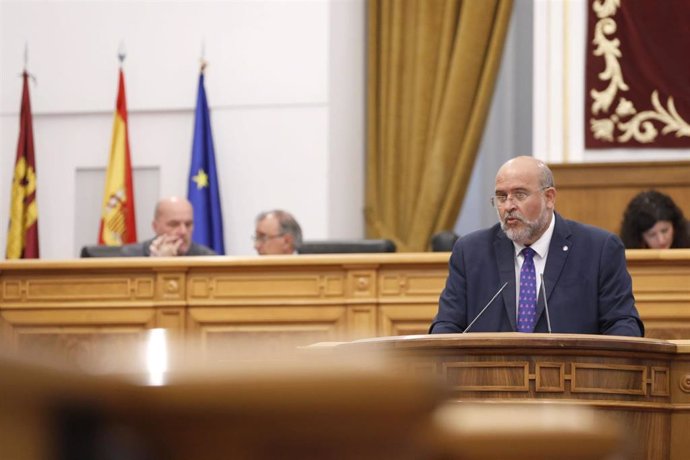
517	197
261	239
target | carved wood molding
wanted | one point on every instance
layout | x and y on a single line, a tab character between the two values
376	294
557	377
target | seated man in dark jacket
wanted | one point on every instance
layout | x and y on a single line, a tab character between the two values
173	223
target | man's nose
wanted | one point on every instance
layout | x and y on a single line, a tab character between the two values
510	205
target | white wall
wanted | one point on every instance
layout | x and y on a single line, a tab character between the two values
285	84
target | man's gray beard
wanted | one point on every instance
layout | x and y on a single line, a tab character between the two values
531	229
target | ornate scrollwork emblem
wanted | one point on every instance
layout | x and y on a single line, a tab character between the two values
626	122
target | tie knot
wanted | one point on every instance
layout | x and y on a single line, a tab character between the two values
528	252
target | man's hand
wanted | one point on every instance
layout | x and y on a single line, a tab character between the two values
165	246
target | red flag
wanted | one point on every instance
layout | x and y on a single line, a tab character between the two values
118	225
22	236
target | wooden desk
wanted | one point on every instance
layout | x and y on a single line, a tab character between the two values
216	304
221	305
644	384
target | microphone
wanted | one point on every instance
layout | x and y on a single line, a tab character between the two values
546	304
485	307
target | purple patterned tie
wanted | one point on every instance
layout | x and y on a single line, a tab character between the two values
527	308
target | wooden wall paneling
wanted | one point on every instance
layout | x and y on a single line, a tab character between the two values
233	332
412	282
173	319
680	391
6	334
77	315
361	321
409	298
661	285
297	299
90	347
406	319
233	309
597	193
361	293
264	285
76	288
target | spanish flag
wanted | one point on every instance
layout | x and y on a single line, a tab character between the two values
22	235
117	218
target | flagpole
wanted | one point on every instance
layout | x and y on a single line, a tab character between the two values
26	64
202	60
121	53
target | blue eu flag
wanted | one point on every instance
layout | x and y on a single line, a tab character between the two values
202	188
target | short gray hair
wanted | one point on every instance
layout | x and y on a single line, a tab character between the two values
288	224
546	176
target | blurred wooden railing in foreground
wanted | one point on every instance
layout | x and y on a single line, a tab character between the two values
221	305
327	410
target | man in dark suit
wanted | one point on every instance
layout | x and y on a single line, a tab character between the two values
173	223
585	280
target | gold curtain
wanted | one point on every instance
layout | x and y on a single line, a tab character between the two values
431	71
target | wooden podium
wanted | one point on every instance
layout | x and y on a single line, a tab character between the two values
643	383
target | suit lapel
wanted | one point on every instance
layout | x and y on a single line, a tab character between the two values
559	248
505	258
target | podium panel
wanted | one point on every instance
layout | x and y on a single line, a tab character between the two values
642	383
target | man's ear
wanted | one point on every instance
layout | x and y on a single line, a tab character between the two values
550	194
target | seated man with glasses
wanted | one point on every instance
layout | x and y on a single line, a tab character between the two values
535	271
276	232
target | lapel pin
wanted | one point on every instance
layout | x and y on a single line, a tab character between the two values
565	248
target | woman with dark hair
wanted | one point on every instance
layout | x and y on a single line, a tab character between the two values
653	221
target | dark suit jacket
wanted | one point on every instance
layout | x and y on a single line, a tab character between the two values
142	250
588	288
